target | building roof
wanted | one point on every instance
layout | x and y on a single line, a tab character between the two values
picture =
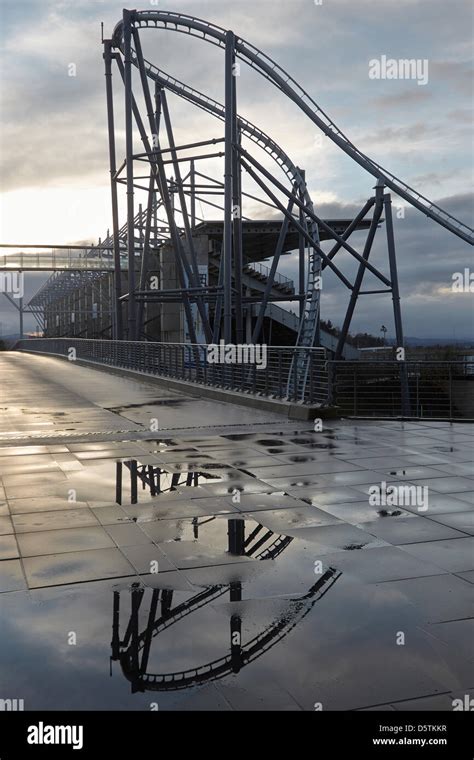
261	236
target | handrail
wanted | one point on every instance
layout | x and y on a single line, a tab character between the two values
260	268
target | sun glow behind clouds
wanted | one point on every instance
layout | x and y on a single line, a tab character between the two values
60	215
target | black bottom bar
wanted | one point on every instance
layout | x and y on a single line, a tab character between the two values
134	734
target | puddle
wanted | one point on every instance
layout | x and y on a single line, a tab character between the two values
240	636
198	599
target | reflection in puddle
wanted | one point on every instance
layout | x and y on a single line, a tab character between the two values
133	647
220	479
156	480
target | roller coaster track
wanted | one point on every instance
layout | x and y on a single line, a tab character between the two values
283	81
270	70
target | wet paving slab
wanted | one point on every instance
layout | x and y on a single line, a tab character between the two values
233	561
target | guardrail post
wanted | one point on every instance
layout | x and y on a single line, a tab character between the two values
355	392
450	392
280	385
295	376
331	372
204	365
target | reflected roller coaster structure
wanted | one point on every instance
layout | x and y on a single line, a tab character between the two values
169	217
133	651
260	544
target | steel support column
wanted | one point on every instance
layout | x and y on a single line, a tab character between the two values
393	270
192	182
397	315
218	308
118	321
237	213
150	219
145	255
228	184
127	36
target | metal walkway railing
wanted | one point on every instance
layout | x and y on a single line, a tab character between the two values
376	388
184	361
434	389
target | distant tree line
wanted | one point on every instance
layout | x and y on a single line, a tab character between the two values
359	340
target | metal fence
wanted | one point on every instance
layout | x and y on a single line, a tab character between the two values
270	379
392	388
381	388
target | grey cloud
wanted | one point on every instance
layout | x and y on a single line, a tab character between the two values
406	98
457	73
55	126
427	257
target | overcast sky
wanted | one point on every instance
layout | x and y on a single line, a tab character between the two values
54	140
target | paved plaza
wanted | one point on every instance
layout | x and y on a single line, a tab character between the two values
172	550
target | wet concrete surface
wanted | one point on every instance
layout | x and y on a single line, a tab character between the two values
172	552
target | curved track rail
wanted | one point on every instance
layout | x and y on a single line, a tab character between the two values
283	81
